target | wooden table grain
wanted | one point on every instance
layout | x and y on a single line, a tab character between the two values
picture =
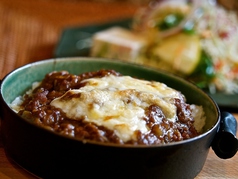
30	31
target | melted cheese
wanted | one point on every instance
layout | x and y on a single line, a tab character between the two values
118	103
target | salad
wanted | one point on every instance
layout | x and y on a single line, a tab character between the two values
197	40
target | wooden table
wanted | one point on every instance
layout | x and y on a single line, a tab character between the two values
30	31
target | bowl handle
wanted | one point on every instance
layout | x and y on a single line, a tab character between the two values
0	104
225	143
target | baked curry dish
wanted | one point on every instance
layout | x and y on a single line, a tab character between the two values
106	106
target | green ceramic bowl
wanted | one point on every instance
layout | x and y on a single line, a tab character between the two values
49	155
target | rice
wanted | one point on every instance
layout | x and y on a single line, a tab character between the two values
218	28
16	103
199	117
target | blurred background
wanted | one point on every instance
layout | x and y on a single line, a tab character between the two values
30	30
